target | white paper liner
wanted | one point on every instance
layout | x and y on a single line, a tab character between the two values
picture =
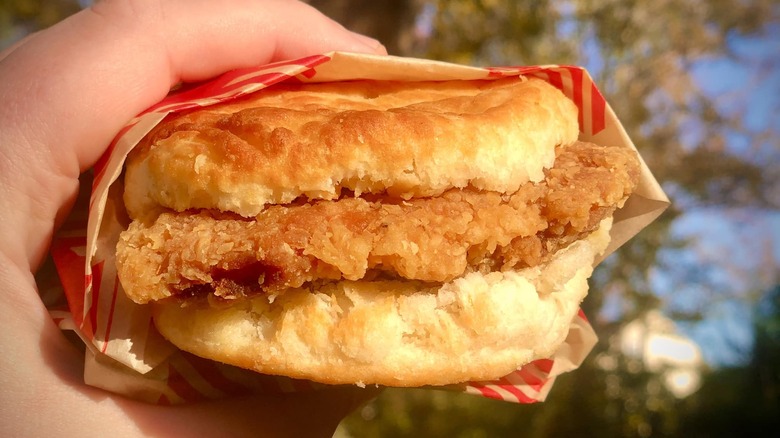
127	356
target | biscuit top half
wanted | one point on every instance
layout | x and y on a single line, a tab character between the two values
400	139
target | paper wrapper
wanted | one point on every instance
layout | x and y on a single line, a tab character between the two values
127	356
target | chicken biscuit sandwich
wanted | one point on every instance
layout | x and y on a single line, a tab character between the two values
393	233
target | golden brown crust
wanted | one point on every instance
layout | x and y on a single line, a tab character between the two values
408	139
478	327
288	246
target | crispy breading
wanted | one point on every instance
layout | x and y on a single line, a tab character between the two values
430	239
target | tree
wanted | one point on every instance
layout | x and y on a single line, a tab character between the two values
744	400
642	55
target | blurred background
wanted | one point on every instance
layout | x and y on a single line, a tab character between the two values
688	312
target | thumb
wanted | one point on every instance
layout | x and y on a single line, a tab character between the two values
68	90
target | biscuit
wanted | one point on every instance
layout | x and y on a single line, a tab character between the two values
316	140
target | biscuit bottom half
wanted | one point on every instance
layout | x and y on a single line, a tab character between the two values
392	332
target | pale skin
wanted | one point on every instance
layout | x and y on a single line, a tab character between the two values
65	92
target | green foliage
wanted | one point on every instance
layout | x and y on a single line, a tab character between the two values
492	32
418	412
741	401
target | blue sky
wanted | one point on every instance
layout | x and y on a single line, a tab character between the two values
738	247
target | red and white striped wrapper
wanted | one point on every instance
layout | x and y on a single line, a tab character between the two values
125	353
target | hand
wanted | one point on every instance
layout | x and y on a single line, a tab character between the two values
65	92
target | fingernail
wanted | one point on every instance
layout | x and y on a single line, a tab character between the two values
371	44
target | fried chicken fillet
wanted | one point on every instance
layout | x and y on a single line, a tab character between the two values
207	251
308	230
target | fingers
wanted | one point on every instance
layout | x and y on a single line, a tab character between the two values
69	89
110	62
282	30
203	38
